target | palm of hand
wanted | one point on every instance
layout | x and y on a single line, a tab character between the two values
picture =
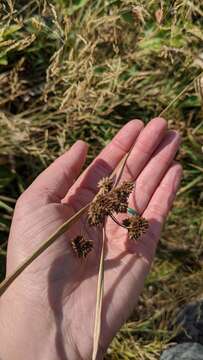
63	286
68	285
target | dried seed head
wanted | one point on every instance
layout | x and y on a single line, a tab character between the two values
81	246
105	185
105	203
136	225
101	207
120	196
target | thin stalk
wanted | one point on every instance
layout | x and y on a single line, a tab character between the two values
6	198
5	206
100	282
122	165
100	291
117	222
190	185
61	230
179	95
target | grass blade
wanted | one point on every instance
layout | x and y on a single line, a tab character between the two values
179	95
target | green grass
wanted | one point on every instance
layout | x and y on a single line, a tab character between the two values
82	69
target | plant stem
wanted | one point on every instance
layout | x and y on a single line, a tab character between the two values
100	282
117	222
61	230
179	95
122	165
100	291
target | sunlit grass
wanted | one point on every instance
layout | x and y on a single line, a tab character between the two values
82	71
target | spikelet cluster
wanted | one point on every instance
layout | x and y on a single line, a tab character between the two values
81	246
105	185
106	202
121	195
136	226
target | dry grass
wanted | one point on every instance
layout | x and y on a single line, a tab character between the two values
82	71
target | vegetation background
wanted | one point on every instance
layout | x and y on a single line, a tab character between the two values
82	69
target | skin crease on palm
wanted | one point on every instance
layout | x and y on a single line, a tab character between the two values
48	312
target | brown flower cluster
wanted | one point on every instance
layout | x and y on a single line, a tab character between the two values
136	226
107	202
110	200
105	185
121	195
81	246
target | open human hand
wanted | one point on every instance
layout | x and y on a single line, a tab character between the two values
48	312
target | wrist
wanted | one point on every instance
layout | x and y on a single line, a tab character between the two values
30	331
25	332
